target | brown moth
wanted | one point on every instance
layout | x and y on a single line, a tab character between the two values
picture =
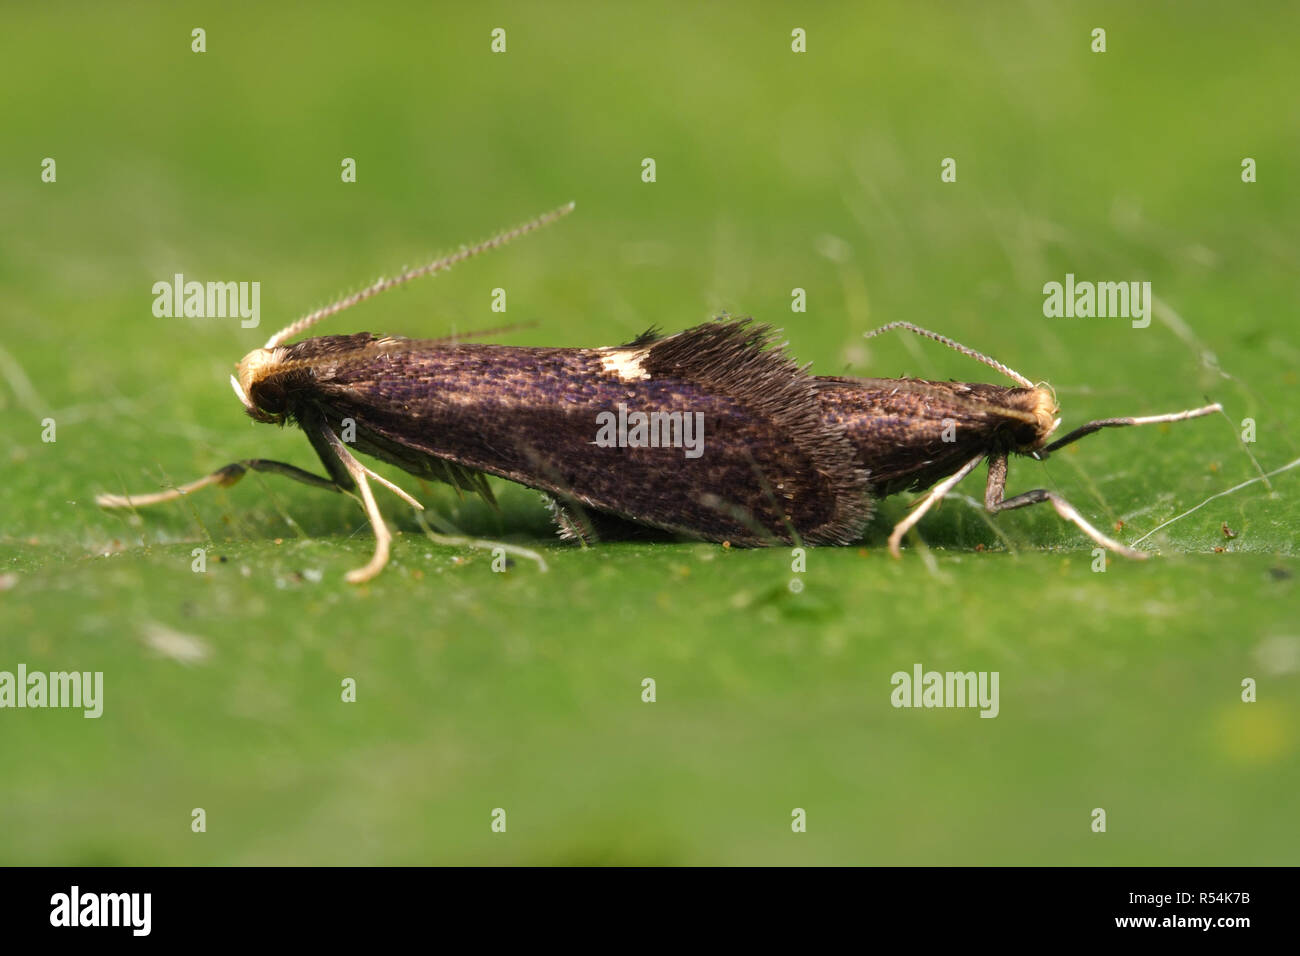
915	432
712	433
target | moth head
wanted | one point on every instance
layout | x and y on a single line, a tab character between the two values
250	380
1043	408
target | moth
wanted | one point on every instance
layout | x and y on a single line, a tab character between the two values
721	434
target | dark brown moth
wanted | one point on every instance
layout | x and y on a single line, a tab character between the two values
913	433
777	455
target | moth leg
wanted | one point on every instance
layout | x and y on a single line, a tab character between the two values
225	477
383	537
1084	430
996	484
936	493
956	347
994	502
393	488
319	434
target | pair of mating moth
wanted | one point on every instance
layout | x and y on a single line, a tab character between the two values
789	457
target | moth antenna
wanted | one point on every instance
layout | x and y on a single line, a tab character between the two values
437	265
1084	430
956	347
481	333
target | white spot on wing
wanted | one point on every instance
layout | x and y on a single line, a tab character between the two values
625	363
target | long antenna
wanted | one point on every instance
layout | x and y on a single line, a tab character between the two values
438	265
956	346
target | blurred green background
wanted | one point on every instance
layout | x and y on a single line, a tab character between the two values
522	690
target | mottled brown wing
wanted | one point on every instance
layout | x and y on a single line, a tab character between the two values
770	466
